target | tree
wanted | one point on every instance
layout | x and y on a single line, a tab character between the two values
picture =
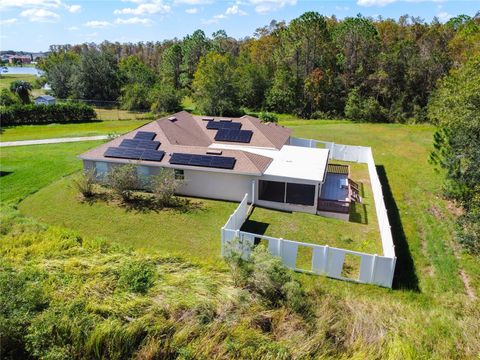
165	99
96	76
170	67
22	89
455	108
194	47
59	68
214	85
281	97
137	79
164	186
363	109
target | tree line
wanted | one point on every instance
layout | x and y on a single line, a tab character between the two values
366	69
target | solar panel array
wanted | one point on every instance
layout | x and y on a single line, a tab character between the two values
145	135
221	162
134	154
141	147
216	125
140	144
242	136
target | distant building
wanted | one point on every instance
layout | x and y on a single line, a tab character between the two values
45	100
23	59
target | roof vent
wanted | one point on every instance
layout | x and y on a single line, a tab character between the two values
208	119
214	152
172	118
225	120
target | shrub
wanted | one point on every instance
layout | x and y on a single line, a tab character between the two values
265	275
123	179
137	276
268	117
7	98
164	186
363	109
45	114
85	183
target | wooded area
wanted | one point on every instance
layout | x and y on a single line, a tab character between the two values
365	69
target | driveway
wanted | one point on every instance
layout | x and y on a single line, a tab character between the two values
52	141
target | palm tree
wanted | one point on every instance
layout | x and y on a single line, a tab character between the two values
22	89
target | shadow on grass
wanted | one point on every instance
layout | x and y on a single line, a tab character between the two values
405	274
144	203
255	227
5	173
358	213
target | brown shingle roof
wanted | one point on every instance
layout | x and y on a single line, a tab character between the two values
188	134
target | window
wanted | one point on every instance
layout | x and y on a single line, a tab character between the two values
179	174
101	169
300	194
271	191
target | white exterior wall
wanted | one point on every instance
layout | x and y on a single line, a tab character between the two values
216	185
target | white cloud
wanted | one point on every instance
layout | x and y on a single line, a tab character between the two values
193	2
39	15
74	8
234	10
152	7
191	11
30	3
386	2
342	8
214	19
444	16
266	6
97	24
133	21
73	28
8	21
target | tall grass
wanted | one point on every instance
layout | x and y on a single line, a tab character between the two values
64	297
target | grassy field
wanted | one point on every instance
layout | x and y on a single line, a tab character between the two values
432	313
33	132
7	79
27	169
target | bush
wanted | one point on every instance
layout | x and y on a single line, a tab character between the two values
363	109
85	183
123	179
164	186
266	276
7	98
268	117
137	276
45	114
135	97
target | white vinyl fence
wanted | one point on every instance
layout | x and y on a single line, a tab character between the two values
329	261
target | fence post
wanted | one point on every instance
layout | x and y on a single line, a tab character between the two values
374	265
325	259
280	247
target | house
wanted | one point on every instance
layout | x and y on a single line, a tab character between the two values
20	59
45	100
224	158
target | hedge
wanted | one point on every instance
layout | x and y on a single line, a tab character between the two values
45	114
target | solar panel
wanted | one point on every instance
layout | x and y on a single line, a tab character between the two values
222	162
145	135
134	154
140	144
216	125
242	136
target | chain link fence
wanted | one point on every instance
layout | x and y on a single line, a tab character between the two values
111	110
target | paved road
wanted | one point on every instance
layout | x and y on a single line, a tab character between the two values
52	141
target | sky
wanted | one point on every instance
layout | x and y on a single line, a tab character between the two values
34	25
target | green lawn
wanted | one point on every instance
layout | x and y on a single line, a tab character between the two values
33	132
195	233
7	79
358	234
26	169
